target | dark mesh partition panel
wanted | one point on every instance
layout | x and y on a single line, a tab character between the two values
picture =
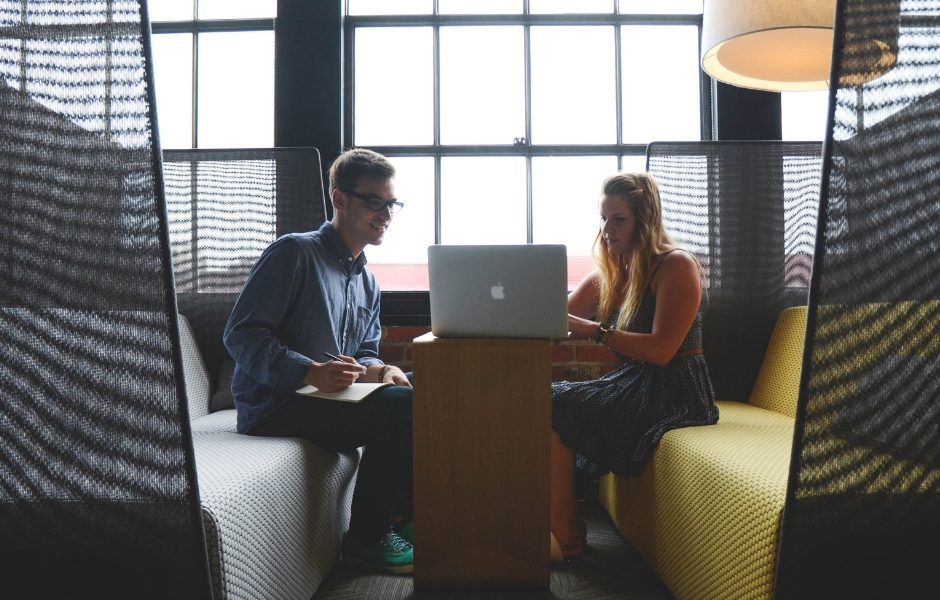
225	206
862	517
748	212
97	483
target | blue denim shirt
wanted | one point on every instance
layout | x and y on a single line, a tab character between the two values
306	295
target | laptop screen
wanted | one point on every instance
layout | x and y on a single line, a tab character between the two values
509	291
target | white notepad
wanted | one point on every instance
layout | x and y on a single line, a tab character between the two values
354	393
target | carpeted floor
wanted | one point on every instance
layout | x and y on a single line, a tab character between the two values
610	570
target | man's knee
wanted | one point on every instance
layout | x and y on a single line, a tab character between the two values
399	398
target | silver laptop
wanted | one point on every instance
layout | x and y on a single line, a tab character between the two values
516	291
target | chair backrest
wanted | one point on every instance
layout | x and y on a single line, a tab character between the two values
747	210
862	516
778	381
98	491
225	206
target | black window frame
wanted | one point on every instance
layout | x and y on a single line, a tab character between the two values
309	101
412	307
198	26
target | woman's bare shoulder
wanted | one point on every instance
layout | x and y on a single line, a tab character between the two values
677	262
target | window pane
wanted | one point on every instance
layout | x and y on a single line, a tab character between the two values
173	82
483	200
691	7
482	85
236	90
660	83
170	10
573	85
400	262
633	163
803	115
565	195
390	7
570	6
394	86
237	9
479	7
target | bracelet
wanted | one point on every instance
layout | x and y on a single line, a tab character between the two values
603	332
382	373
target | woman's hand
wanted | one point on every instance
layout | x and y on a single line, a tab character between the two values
334	375
581	329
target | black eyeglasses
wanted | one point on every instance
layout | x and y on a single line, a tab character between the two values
377	204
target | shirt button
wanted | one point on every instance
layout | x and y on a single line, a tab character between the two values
349	258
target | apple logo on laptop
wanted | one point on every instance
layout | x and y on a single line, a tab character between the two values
498	291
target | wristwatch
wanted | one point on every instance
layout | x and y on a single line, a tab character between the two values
603	332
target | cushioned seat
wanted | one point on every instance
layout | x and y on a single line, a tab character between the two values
274	509
705	513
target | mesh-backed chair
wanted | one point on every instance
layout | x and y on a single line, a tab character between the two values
274	509
225	206
705	513
748	212
98	492
863	506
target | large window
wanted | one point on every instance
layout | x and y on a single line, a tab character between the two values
503	117
803	115
214	72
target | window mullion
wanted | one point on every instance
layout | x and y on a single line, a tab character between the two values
195	99
527	94
618	91
194	142
436	65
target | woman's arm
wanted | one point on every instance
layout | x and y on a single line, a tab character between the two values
678	290
583	300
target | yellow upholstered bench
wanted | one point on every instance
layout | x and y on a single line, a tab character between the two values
705	513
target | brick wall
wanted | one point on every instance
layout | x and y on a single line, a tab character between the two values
571	360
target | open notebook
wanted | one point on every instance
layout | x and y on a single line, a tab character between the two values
354	393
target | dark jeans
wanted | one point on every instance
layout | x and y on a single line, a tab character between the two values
381	423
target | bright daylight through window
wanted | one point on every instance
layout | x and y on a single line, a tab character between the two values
503	117
199	100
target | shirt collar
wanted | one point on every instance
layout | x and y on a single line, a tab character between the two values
352	265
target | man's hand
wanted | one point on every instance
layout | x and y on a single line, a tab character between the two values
392	374
334	375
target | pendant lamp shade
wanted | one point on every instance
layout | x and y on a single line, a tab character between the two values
786	45
773	45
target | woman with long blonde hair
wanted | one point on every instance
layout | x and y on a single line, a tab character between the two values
643	302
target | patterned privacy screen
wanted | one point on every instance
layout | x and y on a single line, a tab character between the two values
98	493
748	212
862	518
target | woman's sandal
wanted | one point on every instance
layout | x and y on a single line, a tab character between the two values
568	553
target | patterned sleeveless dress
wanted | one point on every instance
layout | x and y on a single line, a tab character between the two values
614	423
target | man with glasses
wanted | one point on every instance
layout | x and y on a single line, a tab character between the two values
310	296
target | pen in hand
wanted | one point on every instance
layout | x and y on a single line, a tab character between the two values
338	359
333	357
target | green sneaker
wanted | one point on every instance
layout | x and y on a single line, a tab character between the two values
390	554
407	533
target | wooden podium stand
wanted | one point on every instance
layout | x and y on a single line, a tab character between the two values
482	419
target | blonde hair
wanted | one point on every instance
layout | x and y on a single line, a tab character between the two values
627	277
